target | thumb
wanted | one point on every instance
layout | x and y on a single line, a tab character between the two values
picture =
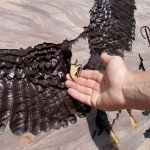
105	58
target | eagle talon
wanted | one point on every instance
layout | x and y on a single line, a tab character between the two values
75	70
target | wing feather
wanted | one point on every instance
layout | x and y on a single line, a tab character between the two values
6	103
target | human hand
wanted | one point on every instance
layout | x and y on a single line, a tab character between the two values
101	89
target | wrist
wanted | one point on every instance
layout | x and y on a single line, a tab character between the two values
136	90
128	89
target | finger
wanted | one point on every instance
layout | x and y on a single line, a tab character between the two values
88	82
68	77
79	88
105	58
82	81
92	74
85	82
88	74
79	96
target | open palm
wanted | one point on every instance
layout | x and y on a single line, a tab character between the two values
102	90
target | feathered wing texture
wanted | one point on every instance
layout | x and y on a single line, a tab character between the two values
33	96
111	30
112	26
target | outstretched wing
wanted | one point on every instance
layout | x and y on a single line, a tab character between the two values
112	26
33	96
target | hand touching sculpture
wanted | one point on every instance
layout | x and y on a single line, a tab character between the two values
114	89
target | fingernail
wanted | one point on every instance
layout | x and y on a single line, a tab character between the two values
67	83
68	77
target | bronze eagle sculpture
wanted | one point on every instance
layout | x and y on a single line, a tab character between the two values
33	96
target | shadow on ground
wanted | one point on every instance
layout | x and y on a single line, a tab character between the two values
103	141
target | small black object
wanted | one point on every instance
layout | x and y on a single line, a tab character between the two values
146	113
147	133
141	66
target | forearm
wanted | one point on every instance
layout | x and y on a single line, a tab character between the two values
136	90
